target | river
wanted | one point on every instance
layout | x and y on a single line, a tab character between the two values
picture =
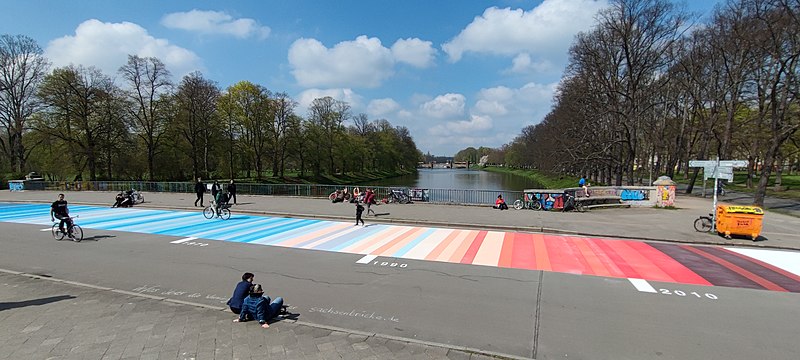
461	179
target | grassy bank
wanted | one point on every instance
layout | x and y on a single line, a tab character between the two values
549	181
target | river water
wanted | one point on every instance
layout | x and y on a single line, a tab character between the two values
461	179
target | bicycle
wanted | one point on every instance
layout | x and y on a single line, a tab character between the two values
528	202
224	211
573	204
74	231
704	223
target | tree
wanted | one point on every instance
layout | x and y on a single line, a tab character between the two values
329	115
22	69
197	99
284	111
149	88
254	112
74	97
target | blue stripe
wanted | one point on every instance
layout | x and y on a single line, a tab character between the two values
150	223
332	243
276	230
416	241
266	223
374	229
299	232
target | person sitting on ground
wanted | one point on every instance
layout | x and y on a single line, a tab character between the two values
255	307
119	199
240	292
339	197
356	195
500	203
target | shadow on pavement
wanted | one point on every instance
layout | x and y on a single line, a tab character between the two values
42	301
98	237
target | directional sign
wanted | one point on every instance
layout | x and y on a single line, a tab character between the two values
723	172
712	163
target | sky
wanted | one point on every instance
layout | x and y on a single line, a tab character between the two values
456	73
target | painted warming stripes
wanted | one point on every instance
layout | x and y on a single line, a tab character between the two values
439	249
469	256
523	252
592	258
643	265
540	252
714	256
564	255
715	273
672	267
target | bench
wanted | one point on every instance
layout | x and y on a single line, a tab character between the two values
593	202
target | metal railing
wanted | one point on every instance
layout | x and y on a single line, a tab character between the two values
436	196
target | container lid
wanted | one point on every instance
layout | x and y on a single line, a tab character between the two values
742	209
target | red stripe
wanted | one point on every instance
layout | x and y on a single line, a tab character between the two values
523	256
618	260
565	256
752	277
506	251
672	267
469	256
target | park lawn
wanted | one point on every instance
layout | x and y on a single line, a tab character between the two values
790	183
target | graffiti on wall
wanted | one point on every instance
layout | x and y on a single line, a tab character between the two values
16	185
634	195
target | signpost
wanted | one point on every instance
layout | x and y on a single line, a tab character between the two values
716	169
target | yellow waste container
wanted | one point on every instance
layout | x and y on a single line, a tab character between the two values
739	220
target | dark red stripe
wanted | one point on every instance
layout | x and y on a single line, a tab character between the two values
715	273
733	267
755	268
618	260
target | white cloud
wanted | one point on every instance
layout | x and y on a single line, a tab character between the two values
360	63
381	107
528	103
546	29
475	125
523	64
414	52
444	106
305	98
107	46
215	22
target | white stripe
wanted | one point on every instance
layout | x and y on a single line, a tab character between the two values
642	285
786	260
366	259
48	229
182	240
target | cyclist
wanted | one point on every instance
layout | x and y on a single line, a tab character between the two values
59	210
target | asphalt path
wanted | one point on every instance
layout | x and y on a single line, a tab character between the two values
527	313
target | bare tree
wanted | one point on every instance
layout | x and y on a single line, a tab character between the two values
197	99
149	84
22	69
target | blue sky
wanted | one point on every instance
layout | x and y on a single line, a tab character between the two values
456	73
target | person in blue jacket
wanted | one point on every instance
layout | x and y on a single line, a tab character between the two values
240	292
255	307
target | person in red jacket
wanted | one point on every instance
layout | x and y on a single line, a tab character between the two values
369	199
500	203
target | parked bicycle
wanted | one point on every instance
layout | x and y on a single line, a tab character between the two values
528	202
398	196
571	204
73	231
704	223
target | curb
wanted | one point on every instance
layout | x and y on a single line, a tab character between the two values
298	322
451	224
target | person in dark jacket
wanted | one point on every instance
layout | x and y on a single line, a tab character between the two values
359	211
240	292
215	189
255	307
232	191
199	189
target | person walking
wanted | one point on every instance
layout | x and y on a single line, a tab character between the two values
369	199
215	189
199	189
232	191
359	211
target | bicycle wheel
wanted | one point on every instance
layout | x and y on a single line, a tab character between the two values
208	212
77	233
139	198
404	199
332	196
57	234
518	204
580	207
225	214
536	205
702	224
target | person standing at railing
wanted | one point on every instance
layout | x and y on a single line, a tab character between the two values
199	189
232	191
